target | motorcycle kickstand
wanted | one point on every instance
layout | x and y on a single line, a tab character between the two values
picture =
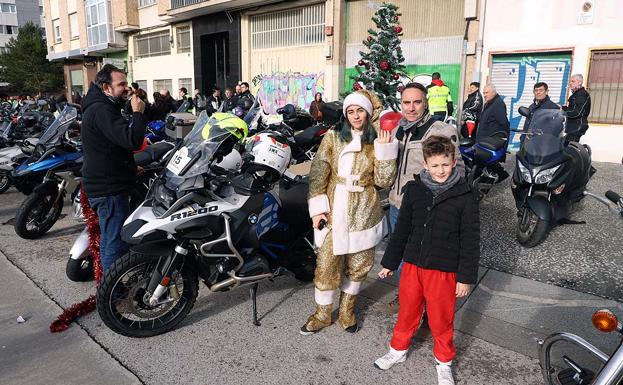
253	291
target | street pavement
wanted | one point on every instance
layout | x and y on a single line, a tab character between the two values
522	295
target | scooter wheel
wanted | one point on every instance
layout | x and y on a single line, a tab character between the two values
5	183
37	214
531	230
80	270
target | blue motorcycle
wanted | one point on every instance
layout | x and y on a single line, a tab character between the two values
58	157
479	157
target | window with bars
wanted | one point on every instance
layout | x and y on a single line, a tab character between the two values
186	83
162	84
146	3
153	44
605	85
183	39
293	27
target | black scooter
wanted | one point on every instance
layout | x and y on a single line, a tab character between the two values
551	175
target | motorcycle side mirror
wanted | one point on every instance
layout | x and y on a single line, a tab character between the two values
524	111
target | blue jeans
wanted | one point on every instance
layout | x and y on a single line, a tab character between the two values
393	218
112	212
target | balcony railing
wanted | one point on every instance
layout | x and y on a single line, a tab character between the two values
184	3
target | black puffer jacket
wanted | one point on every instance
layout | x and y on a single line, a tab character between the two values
545	104
108	141
440	233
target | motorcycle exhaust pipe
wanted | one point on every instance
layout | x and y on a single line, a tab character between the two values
223	284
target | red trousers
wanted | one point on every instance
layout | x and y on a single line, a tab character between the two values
436	289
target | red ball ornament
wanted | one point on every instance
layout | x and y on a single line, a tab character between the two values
398	29
390	120
357	86
369	38
384	65
361	62
396	76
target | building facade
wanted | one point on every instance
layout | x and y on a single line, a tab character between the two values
530	41
14	14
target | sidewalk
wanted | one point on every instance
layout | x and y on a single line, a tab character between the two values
30	354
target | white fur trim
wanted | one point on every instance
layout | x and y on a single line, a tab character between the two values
324	297
357	99
386	151
350	287
318	205
368	238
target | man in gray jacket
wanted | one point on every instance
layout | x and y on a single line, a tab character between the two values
415	126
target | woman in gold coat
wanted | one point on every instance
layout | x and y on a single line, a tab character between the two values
349	163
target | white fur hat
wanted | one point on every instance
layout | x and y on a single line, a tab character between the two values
358	99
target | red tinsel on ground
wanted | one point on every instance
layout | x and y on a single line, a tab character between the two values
70	314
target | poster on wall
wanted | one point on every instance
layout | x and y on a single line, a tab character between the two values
514	76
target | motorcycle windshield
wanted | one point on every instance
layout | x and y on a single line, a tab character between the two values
544	143
59	126
197	151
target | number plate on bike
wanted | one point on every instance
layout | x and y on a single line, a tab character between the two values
179	160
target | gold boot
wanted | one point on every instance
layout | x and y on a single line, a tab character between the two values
346	317
318	321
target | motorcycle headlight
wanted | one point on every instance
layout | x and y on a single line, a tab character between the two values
163	195
545	176
524	173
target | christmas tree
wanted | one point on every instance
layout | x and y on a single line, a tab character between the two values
381	67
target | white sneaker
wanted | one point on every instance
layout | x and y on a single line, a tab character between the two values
393	357
444	375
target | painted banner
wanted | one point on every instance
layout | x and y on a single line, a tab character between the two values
514	77
278	89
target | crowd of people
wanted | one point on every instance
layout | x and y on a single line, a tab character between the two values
434	226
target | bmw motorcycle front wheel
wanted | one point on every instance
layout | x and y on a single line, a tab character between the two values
123	301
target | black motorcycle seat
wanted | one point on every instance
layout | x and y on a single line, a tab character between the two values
493	143
152	153
306	136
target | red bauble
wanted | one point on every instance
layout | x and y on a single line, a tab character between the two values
396	76
361	62
369	38
390	120
398	29
384	65
357	86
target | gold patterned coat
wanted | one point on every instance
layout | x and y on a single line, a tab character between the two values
342	180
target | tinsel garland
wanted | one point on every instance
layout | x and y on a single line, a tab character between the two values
70	314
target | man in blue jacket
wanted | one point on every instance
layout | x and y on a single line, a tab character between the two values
108	142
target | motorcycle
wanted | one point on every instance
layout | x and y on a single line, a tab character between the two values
550	176
11	158
230	231
79	266
478	157
58	156
611	371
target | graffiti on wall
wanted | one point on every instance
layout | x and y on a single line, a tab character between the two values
278	89
515	76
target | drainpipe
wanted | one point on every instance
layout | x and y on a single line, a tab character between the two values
479	43
459	102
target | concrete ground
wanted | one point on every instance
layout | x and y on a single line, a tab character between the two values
497	325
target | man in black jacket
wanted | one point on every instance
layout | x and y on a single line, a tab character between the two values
472	107
494	123
108	141
541	101
578	108
214	101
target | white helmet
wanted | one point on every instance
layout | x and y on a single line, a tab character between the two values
230	163
271	153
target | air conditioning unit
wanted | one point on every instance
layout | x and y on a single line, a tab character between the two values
470	9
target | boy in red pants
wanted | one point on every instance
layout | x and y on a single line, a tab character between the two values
437	235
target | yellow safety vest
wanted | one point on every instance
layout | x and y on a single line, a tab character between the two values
438	98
